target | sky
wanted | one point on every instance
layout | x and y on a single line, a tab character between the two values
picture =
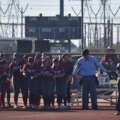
51	7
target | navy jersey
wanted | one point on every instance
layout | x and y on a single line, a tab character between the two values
29	70
47	73
3	67
3	71
59	72
68	67
38	68
15	69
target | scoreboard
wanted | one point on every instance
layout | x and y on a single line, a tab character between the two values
57	28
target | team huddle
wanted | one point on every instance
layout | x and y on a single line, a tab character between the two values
43	77
36	77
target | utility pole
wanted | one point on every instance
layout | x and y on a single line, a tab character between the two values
104	8
82	43
82	23
104	11
61	8
13	27
13	30
22	21
22	11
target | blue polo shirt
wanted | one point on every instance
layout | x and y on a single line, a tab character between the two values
87	66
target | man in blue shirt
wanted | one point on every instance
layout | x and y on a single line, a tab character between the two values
87	66
118	78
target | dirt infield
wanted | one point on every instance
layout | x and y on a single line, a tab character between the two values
105	112
73	115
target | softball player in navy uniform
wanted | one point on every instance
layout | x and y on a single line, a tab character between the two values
38	69
33	85
61	83
4	82
15	70
48	82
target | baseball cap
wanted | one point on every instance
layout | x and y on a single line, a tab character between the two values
85	52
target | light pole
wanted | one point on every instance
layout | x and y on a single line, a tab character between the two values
104	5
61	8
104	10
82	23
22	11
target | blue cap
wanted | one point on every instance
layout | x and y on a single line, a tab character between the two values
85	52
